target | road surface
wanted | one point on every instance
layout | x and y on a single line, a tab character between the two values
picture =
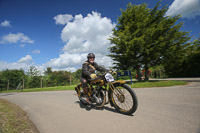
160	110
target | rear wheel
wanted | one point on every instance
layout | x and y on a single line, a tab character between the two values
81	95
124	99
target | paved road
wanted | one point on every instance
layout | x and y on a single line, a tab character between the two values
181	79
176	79
161	110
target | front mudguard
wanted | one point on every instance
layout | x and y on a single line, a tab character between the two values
115	83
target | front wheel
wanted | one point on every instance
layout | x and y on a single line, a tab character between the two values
123	99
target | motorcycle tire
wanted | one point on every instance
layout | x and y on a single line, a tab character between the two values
121	102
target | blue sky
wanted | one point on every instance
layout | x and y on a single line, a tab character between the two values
60	33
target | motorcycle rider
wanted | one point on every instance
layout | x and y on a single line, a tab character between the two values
88	72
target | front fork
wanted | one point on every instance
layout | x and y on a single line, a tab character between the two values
117	92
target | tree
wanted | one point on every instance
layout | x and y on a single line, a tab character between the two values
34	77
11	78
57	78
33	71
77	75
189	63
194	60
48	71
143	37
2	82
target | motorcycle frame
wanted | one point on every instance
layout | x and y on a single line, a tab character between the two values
101	83
110	89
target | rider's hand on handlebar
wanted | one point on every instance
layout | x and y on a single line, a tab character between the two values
113	72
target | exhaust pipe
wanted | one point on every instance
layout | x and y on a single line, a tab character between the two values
83	100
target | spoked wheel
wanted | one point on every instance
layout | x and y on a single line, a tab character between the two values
124	99
81	95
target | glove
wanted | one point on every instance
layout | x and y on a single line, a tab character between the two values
112	72
92	76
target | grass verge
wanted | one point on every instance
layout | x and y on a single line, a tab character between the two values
134	85
14	120
157	84
56	88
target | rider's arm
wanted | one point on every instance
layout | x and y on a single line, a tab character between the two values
85	70
99	68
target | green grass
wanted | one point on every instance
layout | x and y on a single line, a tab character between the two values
157	84
14	120
134	85
57	88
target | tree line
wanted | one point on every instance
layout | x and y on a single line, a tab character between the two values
12	79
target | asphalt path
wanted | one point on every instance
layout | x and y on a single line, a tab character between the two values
161	110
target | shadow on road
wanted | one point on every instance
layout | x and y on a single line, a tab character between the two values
6	94
89	107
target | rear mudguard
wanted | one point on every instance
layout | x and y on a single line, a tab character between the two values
115	83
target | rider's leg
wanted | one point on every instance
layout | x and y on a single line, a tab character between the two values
85	88
77	89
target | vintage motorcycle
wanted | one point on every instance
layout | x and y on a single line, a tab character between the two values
120	96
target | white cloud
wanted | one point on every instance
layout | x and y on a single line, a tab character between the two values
83	35
23	66
71	62
15	38
88	34
36	51
66	60
27	59
23	63
5	23
22	45
13	65
187	8
63	19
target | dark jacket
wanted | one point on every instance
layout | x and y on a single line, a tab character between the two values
88	68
